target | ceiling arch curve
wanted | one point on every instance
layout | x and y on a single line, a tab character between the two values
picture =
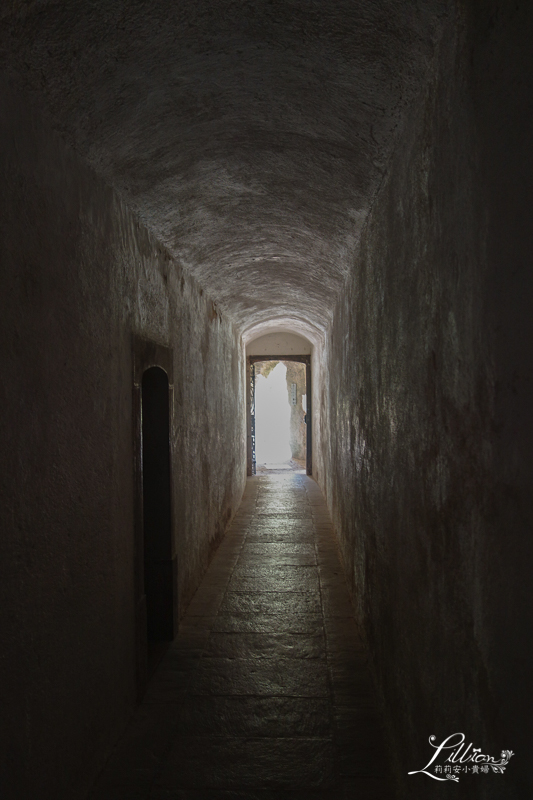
250	137
279	343
281	326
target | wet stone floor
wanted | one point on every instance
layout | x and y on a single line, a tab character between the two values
265	693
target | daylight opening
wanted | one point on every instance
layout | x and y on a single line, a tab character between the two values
280	434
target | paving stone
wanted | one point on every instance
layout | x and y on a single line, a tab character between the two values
277	572
295	535
256	716
261	645
282	524
247	794
331	793
266	692
252	560
294	677
269	623
367	788
274	549
271	603
222	762
275	581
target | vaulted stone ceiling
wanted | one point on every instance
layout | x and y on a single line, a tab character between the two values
250	136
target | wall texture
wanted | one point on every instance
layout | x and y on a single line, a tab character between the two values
282	343
79	276
426	431
296	373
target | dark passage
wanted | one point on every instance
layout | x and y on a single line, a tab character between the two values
191	187
158	578
265	693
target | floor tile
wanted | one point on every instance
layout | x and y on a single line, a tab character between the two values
270	623
264	645
266	693
252	716
261	677
223	762
271	603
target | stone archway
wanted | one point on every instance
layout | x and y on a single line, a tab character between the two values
252	360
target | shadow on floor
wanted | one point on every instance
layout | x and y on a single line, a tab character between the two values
265	694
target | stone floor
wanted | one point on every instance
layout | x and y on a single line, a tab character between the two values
295	464
265	693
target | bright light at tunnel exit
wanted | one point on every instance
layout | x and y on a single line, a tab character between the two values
272	417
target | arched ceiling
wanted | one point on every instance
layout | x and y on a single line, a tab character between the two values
249	136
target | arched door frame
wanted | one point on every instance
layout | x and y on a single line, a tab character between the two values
250	403
147	354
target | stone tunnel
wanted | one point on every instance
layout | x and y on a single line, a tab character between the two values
185	185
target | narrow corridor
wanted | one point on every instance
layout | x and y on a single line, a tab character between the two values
265	693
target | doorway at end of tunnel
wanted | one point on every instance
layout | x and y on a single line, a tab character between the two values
280	405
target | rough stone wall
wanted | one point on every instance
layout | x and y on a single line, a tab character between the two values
298	432
426	430
79	275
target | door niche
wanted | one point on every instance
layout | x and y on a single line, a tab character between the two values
156	495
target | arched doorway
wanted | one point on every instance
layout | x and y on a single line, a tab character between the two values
156	568
157	524
252	361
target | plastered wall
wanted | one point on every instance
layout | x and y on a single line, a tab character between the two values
282	343
79	275
426	434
